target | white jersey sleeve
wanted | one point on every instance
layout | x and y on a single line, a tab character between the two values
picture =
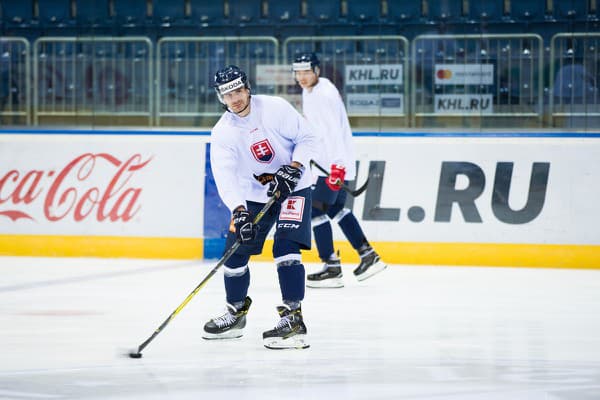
272	135
324	108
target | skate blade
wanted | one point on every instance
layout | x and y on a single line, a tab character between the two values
326	283
232	334
294	342
373	269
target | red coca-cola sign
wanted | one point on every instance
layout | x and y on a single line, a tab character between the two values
74	193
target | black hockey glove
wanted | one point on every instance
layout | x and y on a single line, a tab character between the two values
245	229
284	181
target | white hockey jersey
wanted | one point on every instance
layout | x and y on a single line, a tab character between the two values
324	109
272	135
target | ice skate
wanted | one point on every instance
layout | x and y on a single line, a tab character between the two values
290	332
329	277
230	325
370	264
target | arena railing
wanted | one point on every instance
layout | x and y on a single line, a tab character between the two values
371	72
186	68
574	73
466	81
476	81
15	84
105	80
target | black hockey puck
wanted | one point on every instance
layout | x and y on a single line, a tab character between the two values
135	355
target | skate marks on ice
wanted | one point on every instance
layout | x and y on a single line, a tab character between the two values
409	332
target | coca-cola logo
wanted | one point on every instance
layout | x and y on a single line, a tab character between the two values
75	192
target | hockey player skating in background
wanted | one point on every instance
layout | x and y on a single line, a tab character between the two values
262	140
322	106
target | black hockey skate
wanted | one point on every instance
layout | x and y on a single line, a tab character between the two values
329	277
229	325
370	264
290	332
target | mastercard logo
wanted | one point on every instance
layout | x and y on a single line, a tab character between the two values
444	74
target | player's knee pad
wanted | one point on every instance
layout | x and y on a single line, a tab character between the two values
288	260
334	210
234	271
319	220
237	261
285	247
340	214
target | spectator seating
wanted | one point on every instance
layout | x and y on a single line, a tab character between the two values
245	12
571	10
529	11
284	18
93	17
363	11
289	18
132	17
207	12
485	11
55	13
169	13
444	11
18	19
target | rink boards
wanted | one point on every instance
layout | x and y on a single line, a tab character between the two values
525	199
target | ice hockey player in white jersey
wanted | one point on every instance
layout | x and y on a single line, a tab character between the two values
323	107
260	148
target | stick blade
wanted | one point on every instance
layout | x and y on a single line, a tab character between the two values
130	353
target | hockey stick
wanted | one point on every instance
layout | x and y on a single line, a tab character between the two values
138	353
353	193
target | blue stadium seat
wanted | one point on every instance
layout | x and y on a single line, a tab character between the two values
19	19
289	19
92	14
320	11
407	17
131	17
246	11
532	10
571	10
328	17
404	11
363	11
207	13
289	11
445	11
485	11
169	13
131	13
18	14
55	13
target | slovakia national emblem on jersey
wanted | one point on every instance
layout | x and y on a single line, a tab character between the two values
262	151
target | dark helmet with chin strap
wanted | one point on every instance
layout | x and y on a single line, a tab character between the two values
229	79
305	62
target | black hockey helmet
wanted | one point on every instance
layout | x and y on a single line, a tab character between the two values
229	79
306	61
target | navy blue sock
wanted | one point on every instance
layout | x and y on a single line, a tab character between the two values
324	240
291	282
352	230
236	286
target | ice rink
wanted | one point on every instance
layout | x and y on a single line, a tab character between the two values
411	332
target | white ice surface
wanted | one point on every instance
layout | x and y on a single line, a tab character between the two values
411	332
